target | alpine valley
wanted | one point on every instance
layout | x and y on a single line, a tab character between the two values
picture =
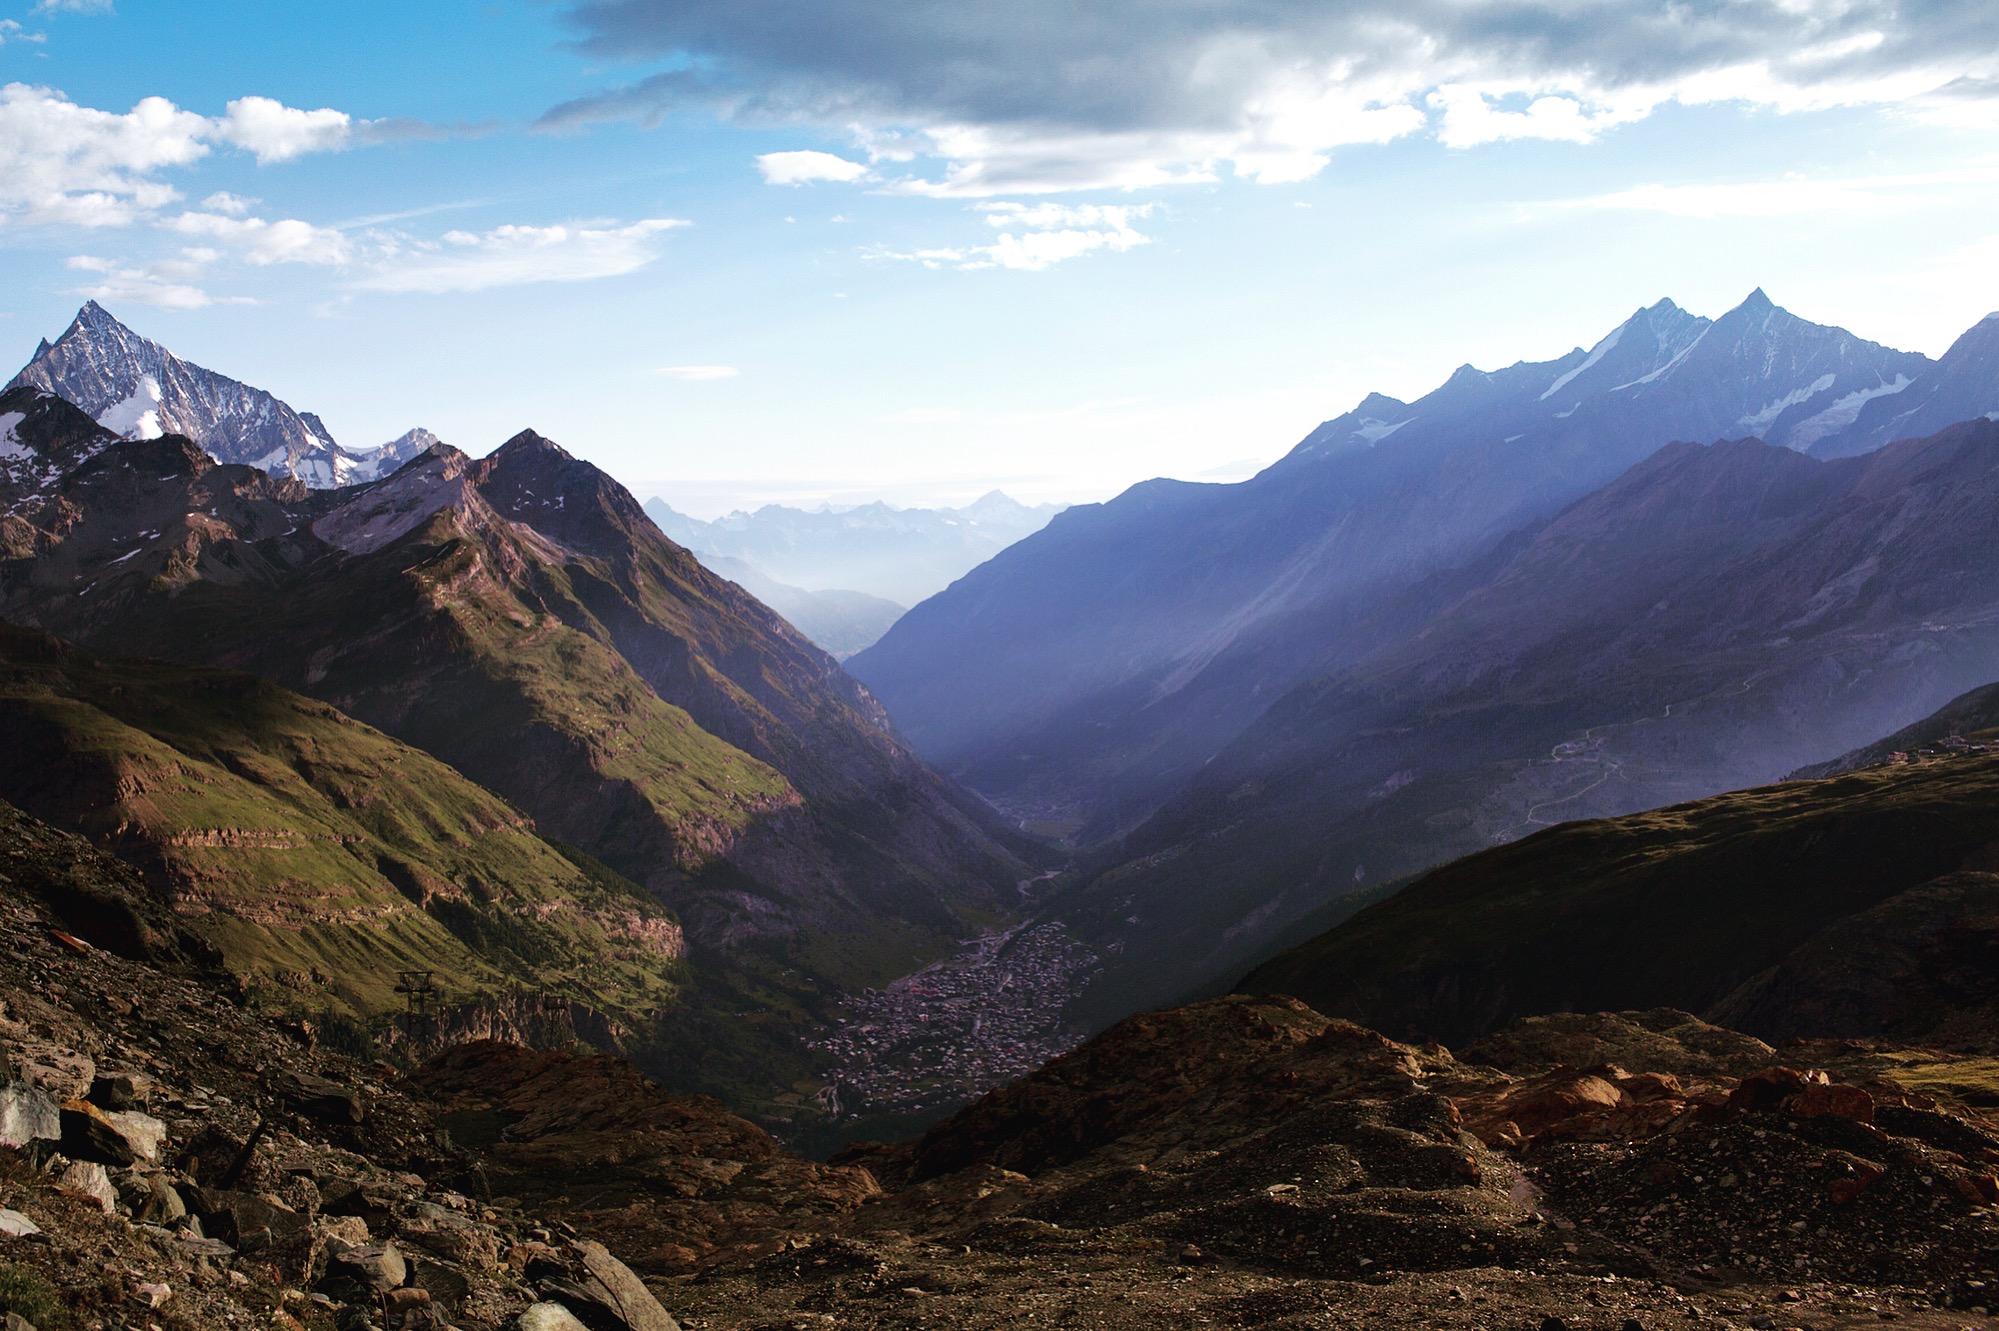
520	619
1528	858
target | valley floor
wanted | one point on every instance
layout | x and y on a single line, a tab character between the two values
952	1031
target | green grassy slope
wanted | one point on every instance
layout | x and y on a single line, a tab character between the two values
1724	902
318	854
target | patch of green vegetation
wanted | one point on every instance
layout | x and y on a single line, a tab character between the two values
28	1293
319	855
1970	1082
564	678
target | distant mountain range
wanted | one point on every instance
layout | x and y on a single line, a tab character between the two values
1088	671
840	622
898	554
1440	624
138	389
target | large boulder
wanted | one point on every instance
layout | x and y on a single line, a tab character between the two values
28	1114
606	1287
121	1137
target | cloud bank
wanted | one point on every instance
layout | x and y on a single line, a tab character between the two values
62	163
1037	236
1048	95
515	256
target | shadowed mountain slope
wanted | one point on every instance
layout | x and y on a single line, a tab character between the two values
1713	619
1967	723
1094	667
1865	905
1963	384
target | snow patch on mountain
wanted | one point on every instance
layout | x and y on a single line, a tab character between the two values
1757	421
1842	413
137	416
1374	431
1669	366
1596	354
139	389
11	447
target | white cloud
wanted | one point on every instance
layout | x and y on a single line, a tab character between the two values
803	167
169	284
222	201
1038	236
12	31
260	242
697	373
516	255
1470	116
278	133
73	6
1040	96
61	163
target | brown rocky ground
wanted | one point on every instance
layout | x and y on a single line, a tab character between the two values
180	1163
169	1159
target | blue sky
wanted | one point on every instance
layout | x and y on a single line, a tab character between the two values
756	250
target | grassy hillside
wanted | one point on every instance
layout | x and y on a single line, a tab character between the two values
1750	904
319	855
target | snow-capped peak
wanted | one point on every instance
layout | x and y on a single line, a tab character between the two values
138	388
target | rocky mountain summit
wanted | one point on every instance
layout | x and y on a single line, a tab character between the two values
138	389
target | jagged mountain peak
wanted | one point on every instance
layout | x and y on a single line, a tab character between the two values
136	387
533	442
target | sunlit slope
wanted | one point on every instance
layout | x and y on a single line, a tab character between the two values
319	855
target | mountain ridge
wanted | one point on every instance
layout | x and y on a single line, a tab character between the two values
1090	670
1715	618
520	618
899	554
135	387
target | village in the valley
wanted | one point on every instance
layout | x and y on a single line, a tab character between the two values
958	1028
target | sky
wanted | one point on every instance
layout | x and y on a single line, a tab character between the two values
805	251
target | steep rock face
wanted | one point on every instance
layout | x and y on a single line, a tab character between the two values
1715	618
1856	906
1092	668
138	389
520	618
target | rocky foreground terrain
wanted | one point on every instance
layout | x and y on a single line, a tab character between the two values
172	1160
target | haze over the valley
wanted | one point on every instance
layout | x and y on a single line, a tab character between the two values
1103	664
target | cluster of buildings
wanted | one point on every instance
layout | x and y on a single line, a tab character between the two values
954	1030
